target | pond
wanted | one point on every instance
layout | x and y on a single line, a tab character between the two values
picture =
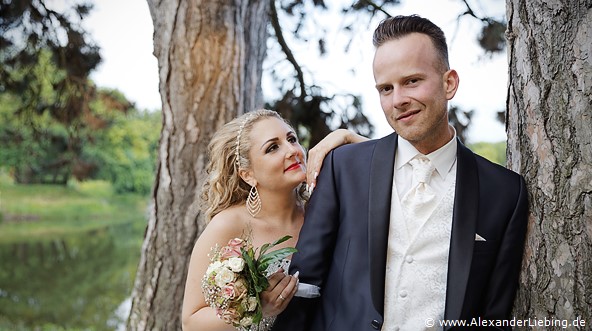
79	282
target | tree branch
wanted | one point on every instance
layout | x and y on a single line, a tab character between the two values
286	49
470	12
376	7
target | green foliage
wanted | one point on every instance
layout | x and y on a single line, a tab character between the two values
32	212
32	29
494	152
45	60
258	262
126	152
114	141
33	146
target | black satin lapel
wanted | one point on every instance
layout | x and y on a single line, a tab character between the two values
464	222
379	203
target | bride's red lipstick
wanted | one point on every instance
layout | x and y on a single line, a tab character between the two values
293	166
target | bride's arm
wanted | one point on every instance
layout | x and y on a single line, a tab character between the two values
196	314
317	154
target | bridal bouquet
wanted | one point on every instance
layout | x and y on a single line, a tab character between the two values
236	276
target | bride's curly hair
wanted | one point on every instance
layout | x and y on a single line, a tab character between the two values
224	187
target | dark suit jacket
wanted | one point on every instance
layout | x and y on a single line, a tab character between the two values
343	244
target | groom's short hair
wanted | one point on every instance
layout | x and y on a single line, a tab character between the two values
400	26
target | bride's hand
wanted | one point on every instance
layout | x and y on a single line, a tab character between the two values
278	294
317	154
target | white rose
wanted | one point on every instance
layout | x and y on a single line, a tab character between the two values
213	267
224	276
246	321
236	264
251	303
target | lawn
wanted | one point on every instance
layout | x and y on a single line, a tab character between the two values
46	211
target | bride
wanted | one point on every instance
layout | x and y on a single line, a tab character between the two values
257	153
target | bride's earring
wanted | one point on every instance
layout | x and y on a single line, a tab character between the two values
253	202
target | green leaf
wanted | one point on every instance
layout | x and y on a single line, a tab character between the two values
265	247
264	261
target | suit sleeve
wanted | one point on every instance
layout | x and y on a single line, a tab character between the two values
315	248
504	280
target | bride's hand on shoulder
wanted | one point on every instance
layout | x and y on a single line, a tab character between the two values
278	294
317	154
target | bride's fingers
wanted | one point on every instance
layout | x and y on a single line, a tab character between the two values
288	292
275	278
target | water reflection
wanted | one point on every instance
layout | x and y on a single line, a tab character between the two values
79	281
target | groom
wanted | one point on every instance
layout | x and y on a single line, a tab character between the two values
393	250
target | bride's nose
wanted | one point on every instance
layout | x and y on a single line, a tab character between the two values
292	151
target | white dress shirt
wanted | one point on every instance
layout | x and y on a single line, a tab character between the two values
417	258
443	159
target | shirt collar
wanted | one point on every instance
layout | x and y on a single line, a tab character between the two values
443	158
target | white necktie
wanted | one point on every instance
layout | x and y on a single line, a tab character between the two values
420	201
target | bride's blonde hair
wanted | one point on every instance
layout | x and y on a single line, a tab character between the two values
228	152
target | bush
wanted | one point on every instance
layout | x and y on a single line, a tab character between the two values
126	152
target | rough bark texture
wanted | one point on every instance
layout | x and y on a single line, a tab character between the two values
210	55
550	143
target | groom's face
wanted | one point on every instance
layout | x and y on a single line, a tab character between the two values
414	89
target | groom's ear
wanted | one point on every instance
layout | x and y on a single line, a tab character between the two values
451	82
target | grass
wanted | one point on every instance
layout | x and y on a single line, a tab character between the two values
46	211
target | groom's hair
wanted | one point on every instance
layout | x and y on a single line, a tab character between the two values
399	26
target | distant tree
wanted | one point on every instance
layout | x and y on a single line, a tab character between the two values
494	152
548	121
45	60
461	120
125	151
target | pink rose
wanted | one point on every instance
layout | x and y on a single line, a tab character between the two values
233	249
236	242
240	288
228	291
229	251
229	316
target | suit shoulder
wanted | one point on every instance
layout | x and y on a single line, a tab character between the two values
358	149
494	167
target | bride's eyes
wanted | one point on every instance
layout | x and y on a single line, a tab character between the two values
271	148
292	139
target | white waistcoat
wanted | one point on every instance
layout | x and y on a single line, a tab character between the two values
417	265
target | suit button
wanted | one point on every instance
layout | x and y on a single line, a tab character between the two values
375	324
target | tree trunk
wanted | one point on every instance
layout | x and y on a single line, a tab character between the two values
210	56
550	143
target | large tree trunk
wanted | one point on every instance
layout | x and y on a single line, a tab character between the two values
550	143
210	56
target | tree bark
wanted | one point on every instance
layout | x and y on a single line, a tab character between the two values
549	116
210	55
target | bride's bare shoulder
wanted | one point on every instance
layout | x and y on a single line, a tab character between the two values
232	220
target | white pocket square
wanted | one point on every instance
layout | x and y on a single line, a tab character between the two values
479	238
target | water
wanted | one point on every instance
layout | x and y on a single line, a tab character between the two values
79	282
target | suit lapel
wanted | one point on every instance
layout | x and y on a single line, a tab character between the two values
381	170
464	222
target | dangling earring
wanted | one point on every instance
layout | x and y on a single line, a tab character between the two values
253	202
